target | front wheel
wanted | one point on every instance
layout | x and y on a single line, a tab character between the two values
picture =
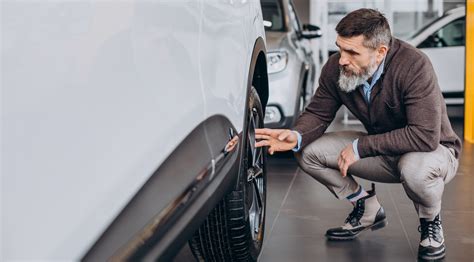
234	230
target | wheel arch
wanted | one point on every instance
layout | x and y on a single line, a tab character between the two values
258	76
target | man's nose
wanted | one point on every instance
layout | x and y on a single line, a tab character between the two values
343	60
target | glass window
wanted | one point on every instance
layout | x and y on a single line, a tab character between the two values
452	34
272	12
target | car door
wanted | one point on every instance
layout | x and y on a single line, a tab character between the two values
445	48
296	25
304	50
96	95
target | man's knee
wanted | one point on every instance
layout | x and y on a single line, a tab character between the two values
308	158
322	152
417	171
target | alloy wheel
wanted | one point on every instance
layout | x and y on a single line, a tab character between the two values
255	177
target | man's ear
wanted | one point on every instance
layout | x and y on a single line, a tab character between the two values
381	52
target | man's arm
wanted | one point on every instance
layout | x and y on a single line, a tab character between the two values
422	101
323	107
314	120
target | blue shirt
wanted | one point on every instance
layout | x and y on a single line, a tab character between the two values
367	88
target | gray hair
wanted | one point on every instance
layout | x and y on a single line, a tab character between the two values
367	22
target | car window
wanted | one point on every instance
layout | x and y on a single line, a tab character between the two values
422	29
295	23
272	12
452	34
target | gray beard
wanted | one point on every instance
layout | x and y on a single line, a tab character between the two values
349	81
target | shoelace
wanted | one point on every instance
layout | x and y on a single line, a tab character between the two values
356	213
430	229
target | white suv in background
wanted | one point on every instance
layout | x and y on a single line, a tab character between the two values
291	67
443	41
128	129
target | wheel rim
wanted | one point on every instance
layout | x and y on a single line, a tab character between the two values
302	102
255	179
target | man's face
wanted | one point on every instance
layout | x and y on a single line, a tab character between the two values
357	62
355	57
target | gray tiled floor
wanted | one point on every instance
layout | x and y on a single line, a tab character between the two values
307	209
300	210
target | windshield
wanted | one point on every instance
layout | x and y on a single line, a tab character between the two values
273	13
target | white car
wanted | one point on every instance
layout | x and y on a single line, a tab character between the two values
125	123
291	67
443	42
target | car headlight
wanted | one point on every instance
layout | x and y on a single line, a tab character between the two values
276	61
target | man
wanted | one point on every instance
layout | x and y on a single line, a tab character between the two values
392	89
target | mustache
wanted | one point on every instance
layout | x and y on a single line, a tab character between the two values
344	69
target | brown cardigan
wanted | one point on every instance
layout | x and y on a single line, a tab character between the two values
407	112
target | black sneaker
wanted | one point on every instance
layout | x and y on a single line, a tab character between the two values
367	214
432	240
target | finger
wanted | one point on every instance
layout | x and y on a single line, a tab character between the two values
268	131
344	170
262	143
230	147
264	131
275	148
284	135
343	166
342	154
260	131
267	137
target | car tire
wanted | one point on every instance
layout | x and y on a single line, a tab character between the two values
234	229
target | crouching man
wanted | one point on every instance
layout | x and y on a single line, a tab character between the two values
392	89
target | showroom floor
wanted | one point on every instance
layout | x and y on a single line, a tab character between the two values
300	210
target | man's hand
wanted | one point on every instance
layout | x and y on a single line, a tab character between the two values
346	159
276	139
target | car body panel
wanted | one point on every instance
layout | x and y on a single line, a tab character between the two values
449	65
448	61
90	109
227	54
129	236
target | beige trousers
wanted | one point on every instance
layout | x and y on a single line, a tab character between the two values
422	174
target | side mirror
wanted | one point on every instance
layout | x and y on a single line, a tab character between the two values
311	31
267	23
